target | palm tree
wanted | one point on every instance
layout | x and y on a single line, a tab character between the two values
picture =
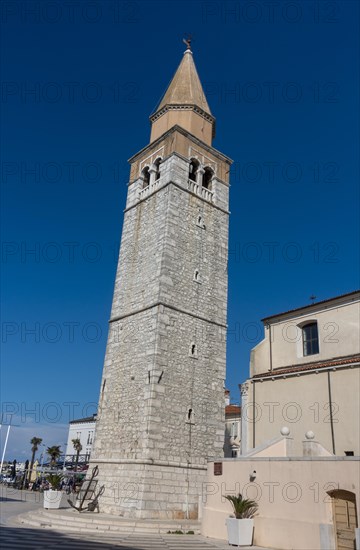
78	448
244	508
54	452
35	442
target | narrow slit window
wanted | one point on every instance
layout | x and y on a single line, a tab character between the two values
190	417
200	221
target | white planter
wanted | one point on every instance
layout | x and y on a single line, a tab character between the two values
52	499
240	531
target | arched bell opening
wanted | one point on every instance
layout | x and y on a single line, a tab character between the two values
145	174
207	178
193	168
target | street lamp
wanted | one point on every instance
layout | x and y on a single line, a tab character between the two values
6	439
42	459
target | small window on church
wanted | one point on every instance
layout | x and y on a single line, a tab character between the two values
207	178
310	339
197	276
194	165
146	177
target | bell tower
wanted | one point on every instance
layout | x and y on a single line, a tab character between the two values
161	405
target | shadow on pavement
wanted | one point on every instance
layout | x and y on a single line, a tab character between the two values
38	539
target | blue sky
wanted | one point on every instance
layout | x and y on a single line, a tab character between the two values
78	86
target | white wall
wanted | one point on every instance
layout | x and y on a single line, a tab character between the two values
338	329
302	403
294	507
85	432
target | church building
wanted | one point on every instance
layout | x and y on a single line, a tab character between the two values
305	374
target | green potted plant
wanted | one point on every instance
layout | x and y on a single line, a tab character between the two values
52	496
241	527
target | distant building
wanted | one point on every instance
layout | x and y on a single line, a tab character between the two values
232	428
83	429
305	374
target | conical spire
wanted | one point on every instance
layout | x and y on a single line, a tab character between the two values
185	87
184	104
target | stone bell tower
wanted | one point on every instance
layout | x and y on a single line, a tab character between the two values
161	406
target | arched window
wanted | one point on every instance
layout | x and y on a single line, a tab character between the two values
207	178
145	174
157	168
196	276
310	338
194	165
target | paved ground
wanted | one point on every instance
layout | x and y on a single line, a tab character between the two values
16	537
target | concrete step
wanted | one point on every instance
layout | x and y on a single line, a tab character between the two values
89	522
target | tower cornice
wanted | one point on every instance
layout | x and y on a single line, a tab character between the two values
189	135
179	107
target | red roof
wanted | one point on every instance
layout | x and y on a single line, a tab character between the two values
351	359
232	409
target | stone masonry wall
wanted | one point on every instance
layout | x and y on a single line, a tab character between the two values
161	406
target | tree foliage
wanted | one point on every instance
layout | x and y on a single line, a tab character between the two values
244	508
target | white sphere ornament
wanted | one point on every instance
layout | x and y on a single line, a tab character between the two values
285	430
309	435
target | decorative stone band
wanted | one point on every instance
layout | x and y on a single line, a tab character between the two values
182	107
149	462
191	137
155	304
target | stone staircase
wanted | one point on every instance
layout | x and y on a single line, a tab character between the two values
70	521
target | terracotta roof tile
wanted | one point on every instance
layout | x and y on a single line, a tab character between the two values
232	409
351	359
